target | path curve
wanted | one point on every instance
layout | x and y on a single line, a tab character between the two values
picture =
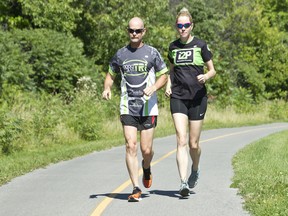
98	183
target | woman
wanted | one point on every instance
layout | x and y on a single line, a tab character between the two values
188	96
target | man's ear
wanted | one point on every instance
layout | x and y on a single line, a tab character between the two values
144	31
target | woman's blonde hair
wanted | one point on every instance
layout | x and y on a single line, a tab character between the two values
184	12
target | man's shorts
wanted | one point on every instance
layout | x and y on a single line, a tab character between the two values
140	122
194	109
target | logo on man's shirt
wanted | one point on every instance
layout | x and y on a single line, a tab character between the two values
135	66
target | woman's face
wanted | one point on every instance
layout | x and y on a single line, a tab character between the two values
184	27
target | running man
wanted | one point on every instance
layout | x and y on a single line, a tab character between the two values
143	72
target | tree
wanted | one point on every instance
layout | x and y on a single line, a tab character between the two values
56	15
252	42
103	25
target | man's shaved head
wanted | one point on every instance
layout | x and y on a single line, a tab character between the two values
136	21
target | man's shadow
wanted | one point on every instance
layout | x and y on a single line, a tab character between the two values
124	196
120	196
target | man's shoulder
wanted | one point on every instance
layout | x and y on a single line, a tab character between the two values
147	46
122	49
151	49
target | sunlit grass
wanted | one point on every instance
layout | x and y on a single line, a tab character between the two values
261	175
228	117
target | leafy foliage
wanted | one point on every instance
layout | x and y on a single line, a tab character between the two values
104	23
42	59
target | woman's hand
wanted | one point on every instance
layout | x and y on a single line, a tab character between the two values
202	78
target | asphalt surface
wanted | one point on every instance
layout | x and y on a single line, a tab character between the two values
98	183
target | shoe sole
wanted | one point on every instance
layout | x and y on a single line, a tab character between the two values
184	192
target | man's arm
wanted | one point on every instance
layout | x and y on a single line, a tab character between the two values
161	81
109	80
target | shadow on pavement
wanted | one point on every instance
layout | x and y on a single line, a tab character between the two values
124	196
168	193
120	196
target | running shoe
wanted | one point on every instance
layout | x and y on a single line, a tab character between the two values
193	178
147	176
184	189
136	195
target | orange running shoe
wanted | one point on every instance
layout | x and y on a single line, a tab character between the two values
147	176
136	195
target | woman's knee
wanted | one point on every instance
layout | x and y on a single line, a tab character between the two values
194	144
181	141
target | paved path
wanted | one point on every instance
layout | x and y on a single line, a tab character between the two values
98	183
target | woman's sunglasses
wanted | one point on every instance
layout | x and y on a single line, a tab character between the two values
186	25
137	31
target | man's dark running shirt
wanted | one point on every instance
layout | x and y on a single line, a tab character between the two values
188	60
139	69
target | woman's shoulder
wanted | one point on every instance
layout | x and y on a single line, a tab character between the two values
199	41
174	43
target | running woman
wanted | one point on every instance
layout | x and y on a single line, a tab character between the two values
143	72
188	96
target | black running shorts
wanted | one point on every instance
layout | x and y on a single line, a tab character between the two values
194	109
140	122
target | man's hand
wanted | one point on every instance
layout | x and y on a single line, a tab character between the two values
149	90
106	94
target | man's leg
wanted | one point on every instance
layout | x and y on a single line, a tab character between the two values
130	134
146	144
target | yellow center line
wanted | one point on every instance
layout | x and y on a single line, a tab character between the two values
107	200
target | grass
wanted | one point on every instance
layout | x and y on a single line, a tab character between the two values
261	174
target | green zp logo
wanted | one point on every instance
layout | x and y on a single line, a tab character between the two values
184	55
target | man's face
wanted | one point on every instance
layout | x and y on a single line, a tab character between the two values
136	31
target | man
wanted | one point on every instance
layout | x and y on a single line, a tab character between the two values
139	64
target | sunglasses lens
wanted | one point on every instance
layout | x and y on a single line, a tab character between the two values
137	31
186	25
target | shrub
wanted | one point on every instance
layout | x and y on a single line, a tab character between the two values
43	59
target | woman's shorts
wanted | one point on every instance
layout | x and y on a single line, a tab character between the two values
194	109
140	122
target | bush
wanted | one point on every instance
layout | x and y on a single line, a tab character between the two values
87	111
43	59
14	64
